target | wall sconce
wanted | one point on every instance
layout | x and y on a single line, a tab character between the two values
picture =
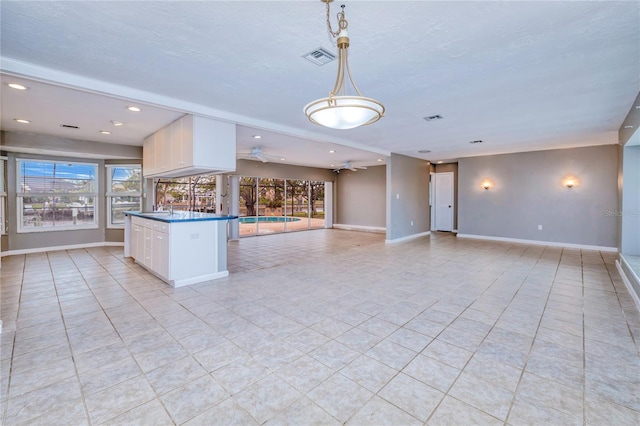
486	184
570	182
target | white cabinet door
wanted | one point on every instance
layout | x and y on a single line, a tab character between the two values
165	147
160	254
186	147
176	145
148	156
148	247
137	238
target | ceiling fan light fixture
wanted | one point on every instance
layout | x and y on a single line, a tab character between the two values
339	110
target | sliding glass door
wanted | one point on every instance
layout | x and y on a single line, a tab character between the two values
270	205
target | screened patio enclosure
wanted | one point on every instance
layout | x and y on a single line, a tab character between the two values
271	205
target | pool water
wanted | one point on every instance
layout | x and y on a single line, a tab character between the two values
268	219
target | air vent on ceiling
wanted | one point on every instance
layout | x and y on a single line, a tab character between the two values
424	151
433	117
320	56
69	126
477	141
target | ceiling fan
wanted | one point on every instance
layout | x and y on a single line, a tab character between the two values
256	154
348	165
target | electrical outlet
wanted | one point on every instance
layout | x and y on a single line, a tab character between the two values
411	223
539	227
397	196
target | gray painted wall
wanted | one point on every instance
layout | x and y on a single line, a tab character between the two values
528	191
407	196
361	197
78	150
630	211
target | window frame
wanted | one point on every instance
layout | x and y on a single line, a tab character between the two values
3	195
110	195
20	229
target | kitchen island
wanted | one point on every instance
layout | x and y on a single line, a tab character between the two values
179	247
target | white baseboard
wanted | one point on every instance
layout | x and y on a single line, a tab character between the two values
57	248
408	238
540	243
199	279
635	296
376	229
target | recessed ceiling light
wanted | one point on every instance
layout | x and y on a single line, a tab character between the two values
332	151
17	86
282	158
105	132
22	120
333	165
117	123
628	127
257	137
380	159
440	162
476	141
424	151
134	108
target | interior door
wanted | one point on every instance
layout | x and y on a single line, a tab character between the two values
444	201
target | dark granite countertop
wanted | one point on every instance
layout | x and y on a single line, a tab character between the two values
180	216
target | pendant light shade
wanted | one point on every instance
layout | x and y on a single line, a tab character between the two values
339	110
344	112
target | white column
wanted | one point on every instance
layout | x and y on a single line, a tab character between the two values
220	190
234	206
328	204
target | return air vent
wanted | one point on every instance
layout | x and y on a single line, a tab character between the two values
69	126
320	56
433	117
476	141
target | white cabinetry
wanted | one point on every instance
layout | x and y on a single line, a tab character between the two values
189	146
149	245
180	252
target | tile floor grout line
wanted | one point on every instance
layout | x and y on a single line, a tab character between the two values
446	393
66	332
615	289
5	409
142	373
533	341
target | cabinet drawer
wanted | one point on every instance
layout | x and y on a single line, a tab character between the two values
161	227
135	220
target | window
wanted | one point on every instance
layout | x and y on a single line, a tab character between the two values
124	192
3	195
56	196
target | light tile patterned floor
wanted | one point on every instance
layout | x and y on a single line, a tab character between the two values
323	327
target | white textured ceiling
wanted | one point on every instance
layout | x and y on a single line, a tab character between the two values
518	75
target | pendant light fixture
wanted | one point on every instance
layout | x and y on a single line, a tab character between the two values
339	110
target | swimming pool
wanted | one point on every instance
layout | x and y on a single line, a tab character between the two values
268	219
